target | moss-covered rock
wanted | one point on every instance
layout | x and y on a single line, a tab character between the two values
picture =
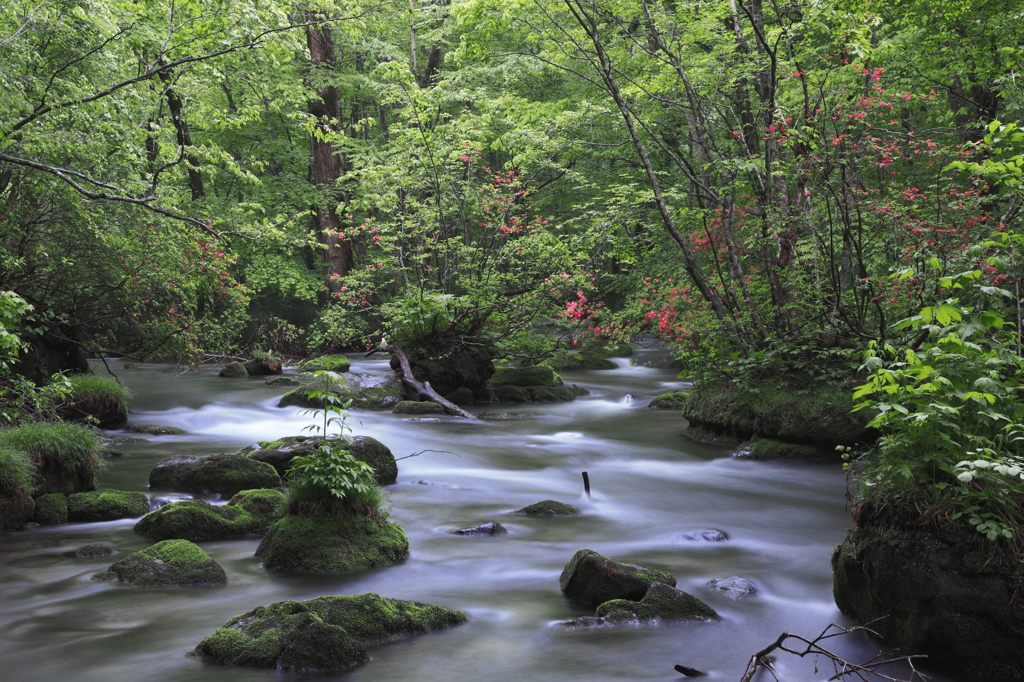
155	429
329	363
282	381
768	449
279	454
670	401
67	457
413	407
450	367
594	579
367	391
661	602
811	414
298	544
461	396
535	394
233	370
92	397
327	634
17	472
51	509
263	366
948	594
106	505
538	375
583	360
548	508
223	475
490	528
171	562
249	513
94	551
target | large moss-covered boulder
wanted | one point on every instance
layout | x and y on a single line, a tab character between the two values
279	454
538	375
249	513
106	505
51	509
327	634
594	579
947	593
234	370
66	456
329	363
417	408
17	471
155	429
263	366
223	475
661	602
670	401
298	544
368	391
548	508
171	562
449	368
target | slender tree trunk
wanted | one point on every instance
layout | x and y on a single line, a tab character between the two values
184	137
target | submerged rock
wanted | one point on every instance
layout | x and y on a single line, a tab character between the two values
280	453
94	551
594	579
661	602
106	505
734	587
298	544
249	513
483	529
535	394
153	430
327	634
548	508
51	509
461	396
703	536
234	370
223	475
538	375
171	562
282	381
413	407
670	401
330	363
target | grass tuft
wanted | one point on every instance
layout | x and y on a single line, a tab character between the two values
17	471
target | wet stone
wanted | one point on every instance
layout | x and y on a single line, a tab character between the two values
483	529
703	536
734	587
93	551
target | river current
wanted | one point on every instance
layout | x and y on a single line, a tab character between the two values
651	486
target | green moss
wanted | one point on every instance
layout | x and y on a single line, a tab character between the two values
593	579
548	508
302	545
171	562
329	363
584	360
282	381
250	513
155	429
414	407
526	376
234	370
67	456
327	634
671	401
767	449
662	602
106	505
51	509
223	475
365	391
102	398
279	454
810	414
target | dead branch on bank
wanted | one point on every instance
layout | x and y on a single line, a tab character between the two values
423	389
844	670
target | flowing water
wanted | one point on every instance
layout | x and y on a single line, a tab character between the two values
651	486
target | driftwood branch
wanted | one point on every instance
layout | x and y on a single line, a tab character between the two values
872	669
423	389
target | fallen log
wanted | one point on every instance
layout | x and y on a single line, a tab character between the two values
423	389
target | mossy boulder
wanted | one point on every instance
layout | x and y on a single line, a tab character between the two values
768	449
233	370
329	363
449	368
106	505
279	454
223	475
66	457
171	562
94	551
661	602
282	381
538	375
461	396
417	408
263	366
96	397
535	394
670	401
51	509
298	544
947	593
155	429
806	413
327	634
249	514
583	360
594	579
17	473
484	529
367	391
548	508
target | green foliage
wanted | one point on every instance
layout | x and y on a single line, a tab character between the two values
69	446
101	387
12	308
331	482
17	471
23	401
336	329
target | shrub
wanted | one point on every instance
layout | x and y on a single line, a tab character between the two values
330	482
